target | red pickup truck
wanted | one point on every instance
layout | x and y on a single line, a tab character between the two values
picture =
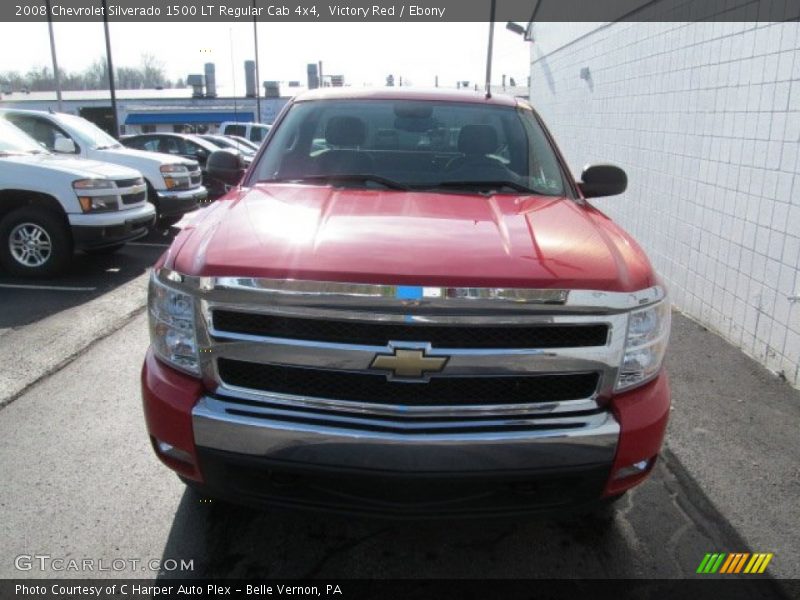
407	306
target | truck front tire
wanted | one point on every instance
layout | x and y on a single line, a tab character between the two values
34	242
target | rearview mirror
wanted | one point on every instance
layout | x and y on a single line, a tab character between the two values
226	166
64	145
413	110
602	180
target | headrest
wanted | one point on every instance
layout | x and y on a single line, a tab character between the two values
345	131
477	139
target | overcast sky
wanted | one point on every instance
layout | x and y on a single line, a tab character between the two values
363	52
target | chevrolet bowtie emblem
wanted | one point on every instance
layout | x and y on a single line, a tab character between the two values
411	364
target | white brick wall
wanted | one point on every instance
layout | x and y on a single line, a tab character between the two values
705	119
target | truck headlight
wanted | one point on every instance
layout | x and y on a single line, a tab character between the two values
172	326
645	345
175	176
93	184
86	188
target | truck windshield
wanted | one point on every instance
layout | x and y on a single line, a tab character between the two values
88	133
455	146
14	141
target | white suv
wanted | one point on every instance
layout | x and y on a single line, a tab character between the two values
174	184
50	205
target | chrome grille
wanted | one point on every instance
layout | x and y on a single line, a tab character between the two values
380	334
126	183
134	198
375	388
251	366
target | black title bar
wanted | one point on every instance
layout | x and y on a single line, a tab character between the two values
401	11
738	588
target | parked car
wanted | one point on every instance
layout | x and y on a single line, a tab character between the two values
51	205
372	323
174	184
231	142
183	145
255	132
244	142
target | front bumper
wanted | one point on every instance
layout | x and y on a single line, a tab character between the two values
264	456
299	438
176	203
111	228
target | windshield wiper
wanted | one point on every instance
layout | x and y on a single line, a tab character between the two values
489	186
108	146
388	183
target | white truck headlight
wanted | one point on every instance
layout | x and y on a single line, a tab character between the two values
175	176
90	197
93	184
172	326
645	345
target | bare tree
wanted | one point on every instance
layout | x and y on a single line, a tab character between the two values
149	74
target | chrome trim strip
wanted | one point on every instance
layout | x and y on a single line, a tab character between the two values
272	434
388	298
232	393
332	288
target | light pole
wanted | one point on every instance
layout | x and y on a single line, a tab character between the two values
110	72
258	79
489	52
56	72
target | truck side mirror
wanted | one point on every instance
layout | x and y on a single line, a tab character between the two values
602	180
63	145
226	166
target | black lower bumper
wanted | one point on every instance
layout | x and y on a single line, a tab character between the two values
176	204
85	237
253	481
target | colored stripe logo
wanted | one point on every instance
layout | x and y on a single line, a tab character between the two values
734	563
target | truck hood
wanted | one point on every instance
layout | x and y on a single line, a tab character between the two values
68	165
410	238
139	158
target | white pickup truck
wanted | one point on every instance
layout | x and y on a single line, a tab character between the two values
255	132
50	205
174	184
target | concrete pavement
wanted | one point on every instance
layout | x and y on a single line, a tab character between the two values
30	353
44	324
735	427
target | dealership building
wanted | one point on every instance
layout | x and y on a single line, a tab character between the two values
705	119
145	111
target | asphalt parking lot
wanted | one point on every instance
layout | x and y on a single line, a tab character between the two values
24	300
77	463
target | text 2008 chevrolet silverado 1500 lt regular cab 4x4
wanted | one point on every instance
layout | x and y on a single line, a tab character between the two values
408	307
